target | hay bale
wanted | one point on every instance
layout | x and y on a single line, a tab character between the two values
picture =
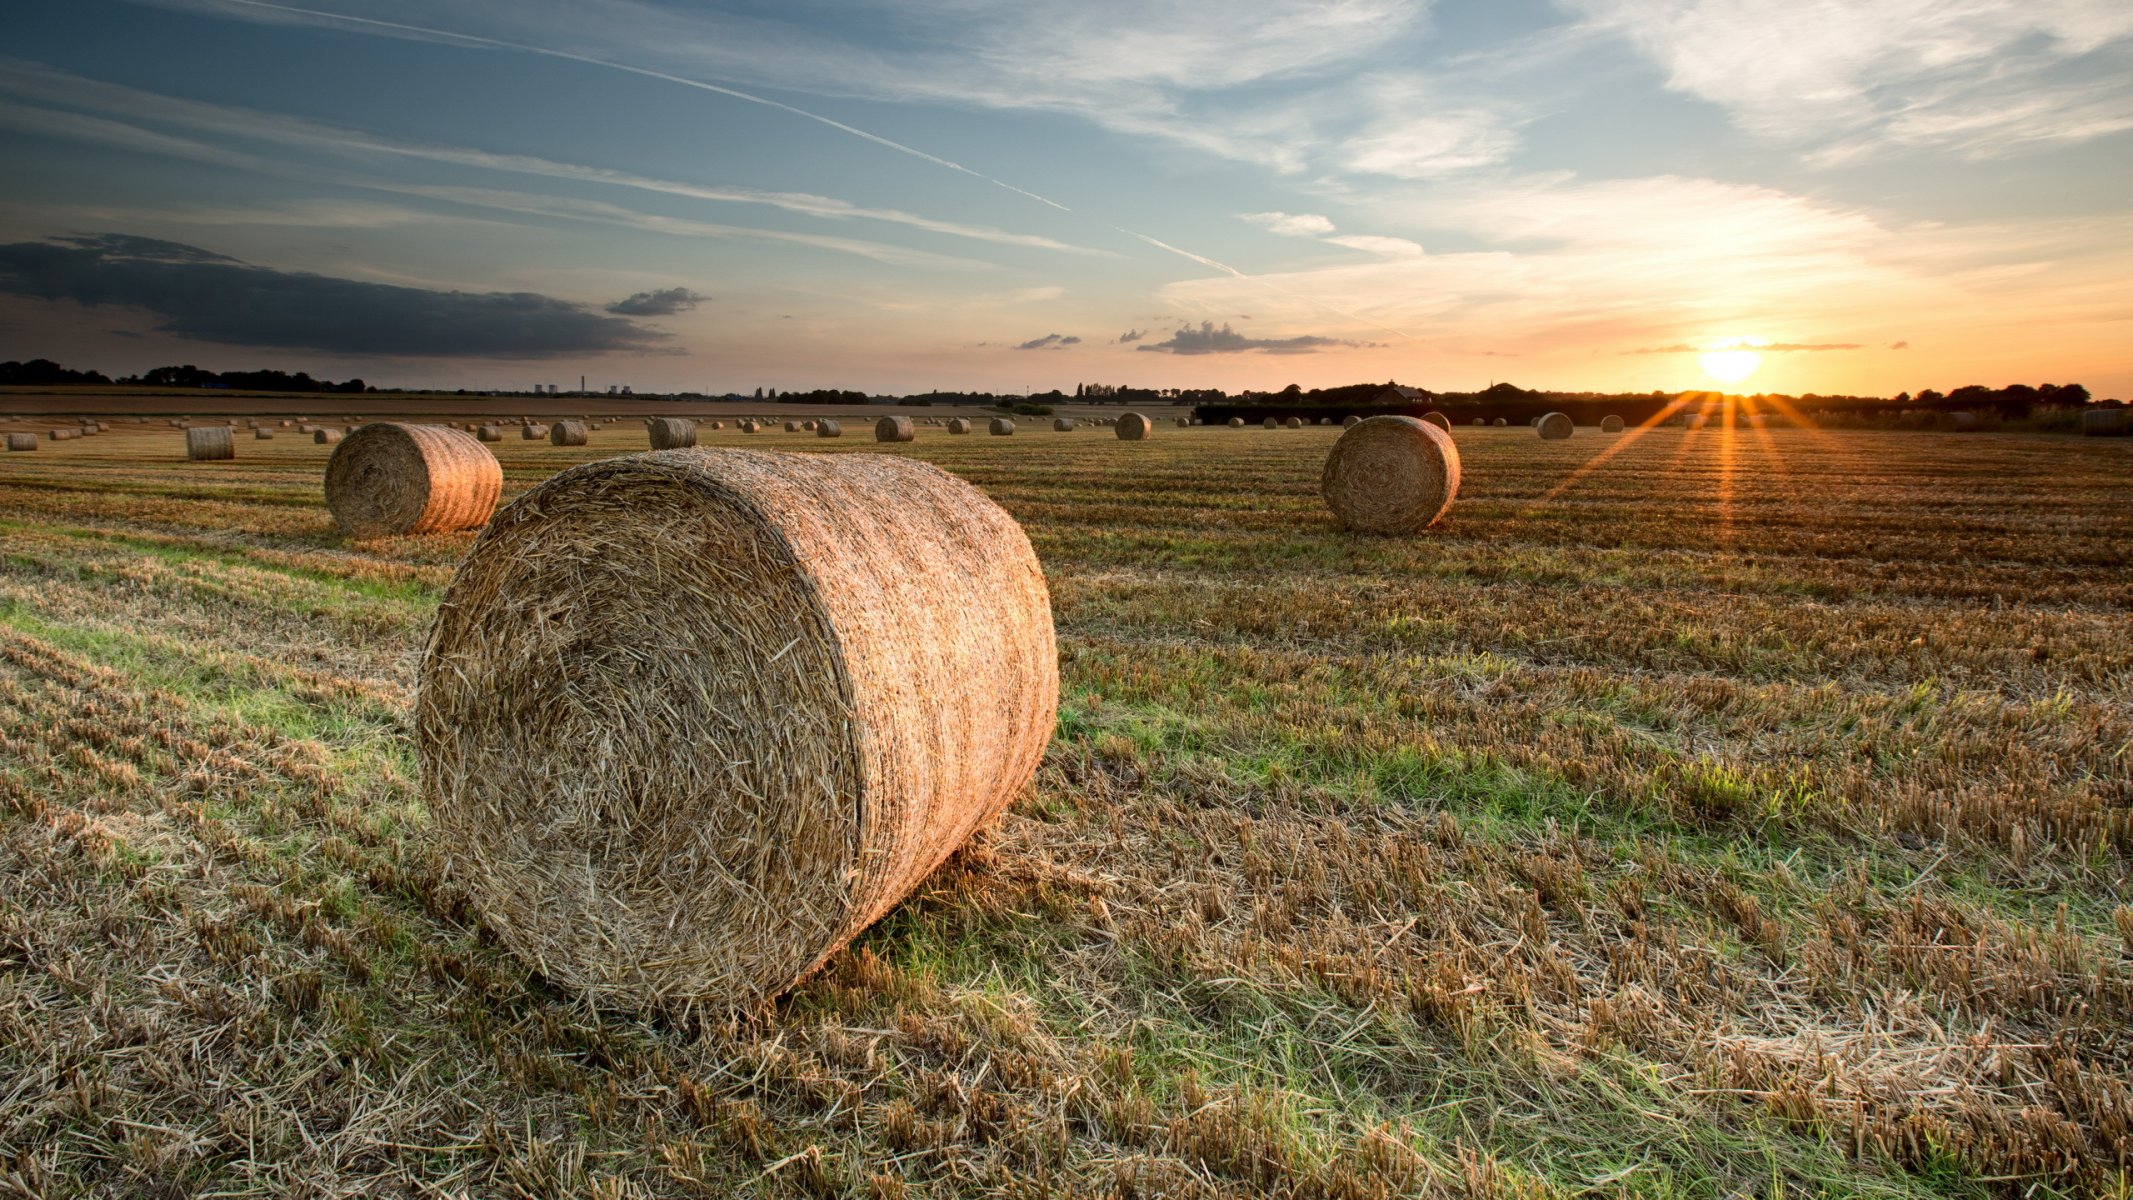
64	435
1610	424
1236	422
1695	420
1439	420
1965	420
716	424
22	441
1001	427
2106	422
567	433
1184	422
532	433
826	428
1293	423
1554	427
489	433
1351	421
1062	424
1271	423
389	478
1391	475
1499	422
894	429
262	434
958	426
205	443
810	426
323	436
792	427
1134	427
1479	422
670	433
689	722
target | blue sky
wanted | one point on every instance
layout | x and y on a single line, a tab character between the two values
1588	193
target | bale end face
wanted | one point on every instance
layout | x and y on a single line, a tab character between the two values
325	437
959	426
1063	425
1236	422
1001	427
1610	424
568	433
389	479
1554	427
1293	423
1133	427
1439	420
894	429
827	428
1391	475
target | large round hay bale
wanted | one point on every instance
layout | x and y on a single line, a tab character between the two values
490	433
1293	423
1001	427
1439	420
1500	422
1236	422
670	433
1063	424
207	442
22	441
389	478
532	433
958	426
322	436
894	429
828	428
262	434
1351	421
688	722
1391	475
2106	422
567	433
1610	424
1134	427
1554	427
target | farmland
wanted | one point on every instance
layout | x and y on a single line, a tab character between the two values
1727	812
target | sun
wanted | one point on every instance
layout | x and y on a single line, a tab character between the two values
1730	365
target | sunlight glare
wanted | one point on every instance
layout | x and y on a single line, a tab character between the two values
1730	366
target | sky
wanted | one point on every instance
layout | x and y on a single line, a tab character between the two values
1840	196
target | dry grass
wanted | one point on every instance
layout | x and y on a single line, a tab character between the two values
1727	812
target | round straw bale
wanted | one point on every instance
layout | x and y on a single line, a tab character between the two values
1184	422
323	436
22	441
1063	424
1236	422
1293	423
567	433
1439	420
2106	422
1271	423
792	427
389	478
1554	427
828	428
1351	421
263	434
68	435
690	721
809	426
1479	422
670	433
1001	427
1134	427
206	442
1391	475
1610	424
958	425
532	433
490	433
894	429
1500	422
716	424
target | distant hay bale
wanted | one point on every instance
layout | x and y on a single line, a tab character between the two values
810	426
894	429
1271	423
263	434
1293	423
828	428
532	433
959	426
1391	475
1610	424
1554	427
387	479
1351	421
64	435
22	441
490	433
1184	422
1499	422
1236	422
1134	427
1063	424
1695	420
792	427
2106	422
716	424
689	722
567	433
323	436
670	433
205	443
1479	422
1965	420
1001	427
1439	420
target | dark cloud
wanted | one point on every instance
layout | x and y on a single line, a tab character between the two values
1209	340
657	304
1050	341
1132	335
211	297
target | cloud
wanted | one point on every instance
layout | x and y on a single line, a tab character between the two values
1384	247
1132	335
1899	345
210	297
1050	341
664	302
1209	340
1289	224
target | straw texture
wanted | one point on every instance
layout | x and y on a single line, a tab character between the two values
490	433
263	434
202	442
792	427
1610	424
1236	422
1554	427
828	428
64	435
1293	423
1391	475
567	433
1133	427
532	433
894	429
1001	427
325	437
22	441
1063	424
690	721
387	479
1439	420
958	425
671	433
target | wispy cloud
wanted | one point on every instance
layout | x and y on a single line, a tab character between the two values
1130	336
661	303
1289	224
1207	339
1050	341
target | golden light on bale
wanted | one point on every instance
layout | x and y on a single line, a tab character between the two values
1554	427
1063	424
1236	422
22	441
490	433
1610	424
1133	427
809	426
670	433
828	428
205	443
1391	475
66	435
567	433
958	426
387	479
1439	420
688	722
1001	427
717	424
263	434
894	429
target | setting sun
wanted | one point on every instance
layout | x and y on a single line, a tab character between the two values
1730	366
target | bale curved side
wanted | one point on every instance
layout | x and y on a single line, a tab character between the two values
1063	424
690	721
1001	427
1293	423
532	433
1500	422
1610	424
828	428
262	434
1554	427
567	433
388	479
323	436
203	443
894	429
1133	427
959	425
1236	422
1391	475
22	441
670	433
490	433
1439	420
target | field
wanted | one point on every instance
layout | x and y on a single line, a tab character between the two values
1742	813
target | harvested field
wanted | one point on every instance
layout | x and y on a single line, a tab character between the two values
1718	812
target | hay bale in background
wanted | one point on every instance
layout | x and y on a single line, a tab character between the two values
323	436
1184	422
958	426
1479	422
2106	422
826	428
1499	422
532	433
388	478
1001	427
1063	425
1271	423
490	433
1236	422
1293	423
22	441
689	722
262	434
1610	424
811	426
894	429
792	427
63	435
206	443
1134	427
1391	475
567	433
1554	427
670	433
716	424
1439	420
1351	422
